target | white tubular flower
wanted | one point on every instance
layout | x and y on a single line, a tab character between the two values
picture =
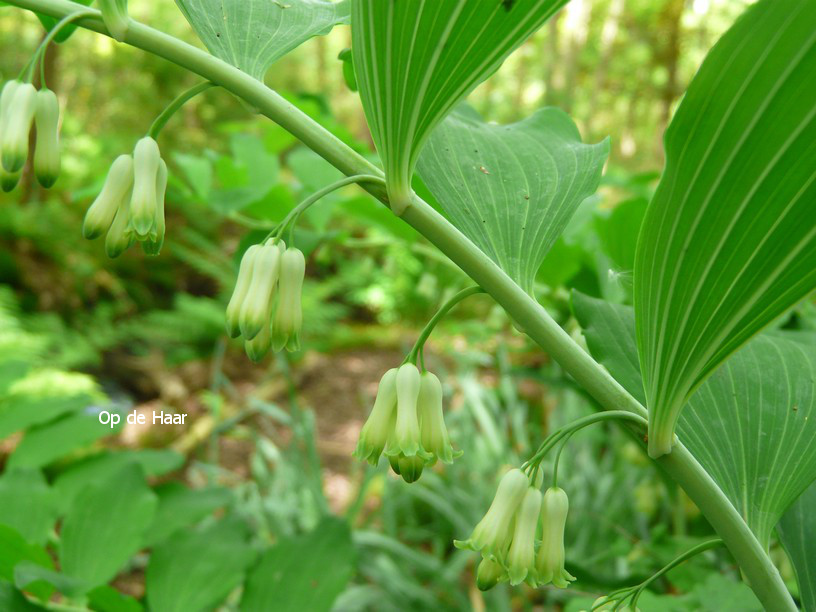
47	151
489	574
144	201
120	236
16	126
6	100
406	439
114	195
550	561
155	238
433	433
289	314
257	304
493	534
257	348
242	285
521	557
381	421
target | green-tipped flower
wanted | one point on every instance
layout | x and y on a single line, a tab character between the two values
489	574
521	557
47	151
144	200
410	468
433	433
155	238
17	125
257	303
6	102
9	180
114	195
289	315
380	423
550	561
239	294
406	439
257	348
120	237
115	16
494	532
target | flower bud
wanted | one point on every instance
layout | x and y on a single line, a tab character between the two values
114	195
120	236
289	315
521	557
259	346
242	285
144	201
6	100
406	432
493	533
550	561
155	239
410	468
380	423
489	574
9	180
433	433
115	16
17	125
47	151
257	304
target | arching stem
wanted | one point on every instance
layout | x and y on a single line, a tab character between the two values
174	106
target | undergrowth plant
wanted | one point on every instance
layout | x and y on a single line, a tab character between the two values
699	370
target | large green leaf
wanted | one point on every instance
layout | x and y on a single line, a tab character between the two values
27	504
181	507
106	525
797	532
304	573
196	569
415	59
751	424
511	189
254	34
729	241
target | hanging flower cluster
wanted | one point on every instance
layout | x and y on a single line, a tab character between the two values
407	424
265	307
506	536
22	106
130	207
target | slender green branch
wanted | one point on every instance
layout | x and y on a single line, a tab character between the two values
754	562
39	53
294	214
429	327
174	106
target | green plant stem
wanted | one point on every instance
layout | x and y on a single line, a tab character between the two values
174	106
429	327
756	565
295	213
39	53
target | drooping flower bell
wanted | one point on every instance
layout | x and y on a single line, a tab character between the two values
289	314
489	574
494	533
18	118
8	180
433	432
377	429
550	560
521	556
144	200
47	150
115	194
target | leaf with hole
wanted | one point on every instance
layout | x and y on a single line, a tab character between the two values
511	189
254	34
750	425
414	61
729	241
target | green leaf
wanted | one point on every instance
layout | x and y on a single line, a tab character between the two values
44	444
15	550
729	240
28	575
253	34
750	425
12	600
303	573
27	504
414	61
511	189
108	599
106	526
797	532
181	507
219	555
103	465
65	33
18	412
